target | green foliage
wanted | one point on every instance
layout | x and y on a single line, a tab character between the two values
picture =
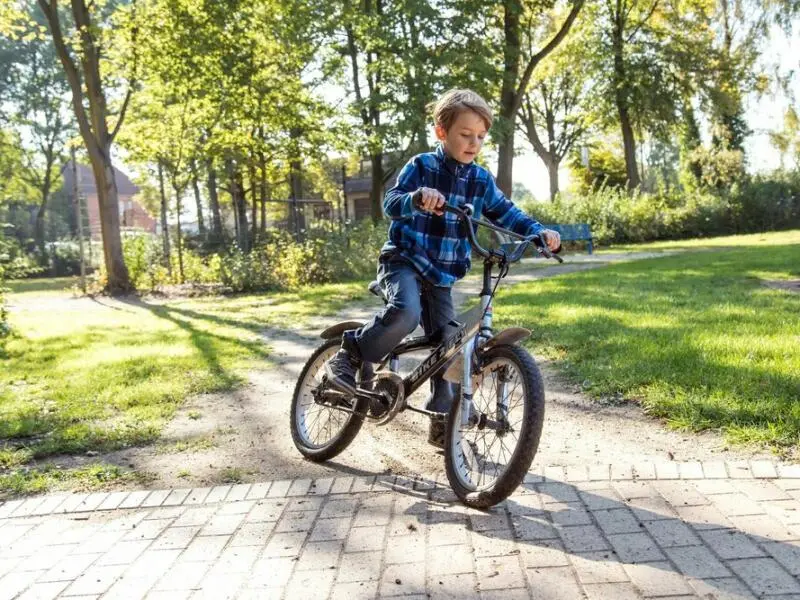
614	216
606	169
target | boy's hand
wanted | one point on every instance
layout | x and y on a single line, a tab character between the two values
552	239
429	200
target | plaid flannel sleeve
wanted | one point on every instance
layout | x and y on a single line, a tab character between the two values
397	202
501	211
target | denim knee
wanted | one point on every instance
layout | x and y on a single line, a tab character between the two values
401	317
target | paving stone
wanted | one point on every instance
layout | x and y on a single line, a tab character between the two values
691	470
557	493
765	576
155	498
493	543
599	472
764	526
533	528
133	500
177	497
195	516
644	471
358	590
667	470
651	509
598	567
680	493
175	537
252	534
698	562
763	469
238	507
266	510
619	520
284	544
28	507
217	494
7	508
739	469
715	470
703	517
321	555
152	564
222	525
445	534
494	520
336	508
299	487
728	588
364	539
657	579
634	489
786	511
454	586
342	485
205	548
499	572
271	572
123	553
621	472
13	584
789	472
787	554
735	505
554	583
575	473
42	591
511	594
197	496
608	591
69	568
635	547
405	549
258	491
235	559
403	580
279	489
730	543
306	503
671	532
555	473
359	566
449	560
760	490
569	513
602	499
183	577
583	538
238	492
543	553
169	512
363	484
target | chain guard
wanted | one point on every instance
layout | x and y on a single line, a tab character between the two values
390	385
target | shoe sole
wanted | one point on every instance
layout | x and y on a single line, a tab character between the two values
338	384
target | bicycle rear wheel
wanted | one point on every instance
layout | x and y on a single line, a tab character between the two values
319	430
489	457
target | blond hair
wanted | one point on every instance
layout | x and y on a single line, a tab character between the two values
454	102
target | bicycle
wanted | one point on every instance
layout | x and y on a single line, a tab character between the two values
502	393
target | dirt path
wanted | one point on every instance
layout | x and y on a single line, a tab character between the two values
250	427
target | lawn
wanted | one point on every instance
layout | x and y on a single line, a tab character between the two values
696	338
90	376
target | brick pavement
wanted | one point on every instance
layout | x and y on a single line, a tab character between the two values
688	530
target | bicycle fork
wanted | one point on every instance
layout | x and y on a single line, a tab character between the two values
469	358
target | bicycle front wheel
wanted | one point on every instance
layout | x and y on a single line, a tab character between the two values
321	431
488	457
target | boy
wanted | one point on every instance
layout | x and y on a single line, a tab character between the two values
427	251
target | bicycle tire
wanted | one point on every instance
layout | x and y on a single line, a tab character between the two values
530	423
348	424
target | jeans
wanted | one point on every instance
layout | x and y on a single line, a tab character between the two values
411	301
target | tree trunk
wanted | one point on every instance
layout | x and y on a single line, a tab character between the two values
213	202
552	173
164	224
376	187
108	200
622	98
263	191
238	201
512	9
201	225
254	203
178	241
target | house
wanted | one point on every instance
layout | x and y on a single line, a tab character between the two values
132	215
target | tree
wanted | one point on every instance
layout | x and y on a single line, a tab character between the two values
81	55
36	93
556	111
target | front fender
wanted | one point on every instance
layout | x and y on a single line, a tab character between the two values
509	336
337	330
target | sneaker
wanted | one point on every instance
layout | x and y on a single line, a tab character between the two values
436	433
341	370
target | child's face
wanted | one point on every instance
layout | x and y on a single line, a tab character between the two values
465	137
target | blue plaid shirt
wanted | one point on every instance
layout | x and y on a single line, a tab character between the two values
436	245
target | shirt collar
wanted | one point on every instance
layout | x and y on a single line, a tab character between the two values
450	163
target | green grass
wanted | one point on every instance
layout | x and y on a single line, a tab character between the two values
82	375
45	284
695	337
777	238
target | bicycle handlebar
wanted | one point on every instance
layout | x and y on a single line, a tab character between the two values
497	256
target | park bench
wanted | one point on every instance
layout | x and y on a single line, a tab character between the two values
574	232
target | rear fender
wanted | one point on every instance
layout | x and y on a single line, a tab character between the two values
337	330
